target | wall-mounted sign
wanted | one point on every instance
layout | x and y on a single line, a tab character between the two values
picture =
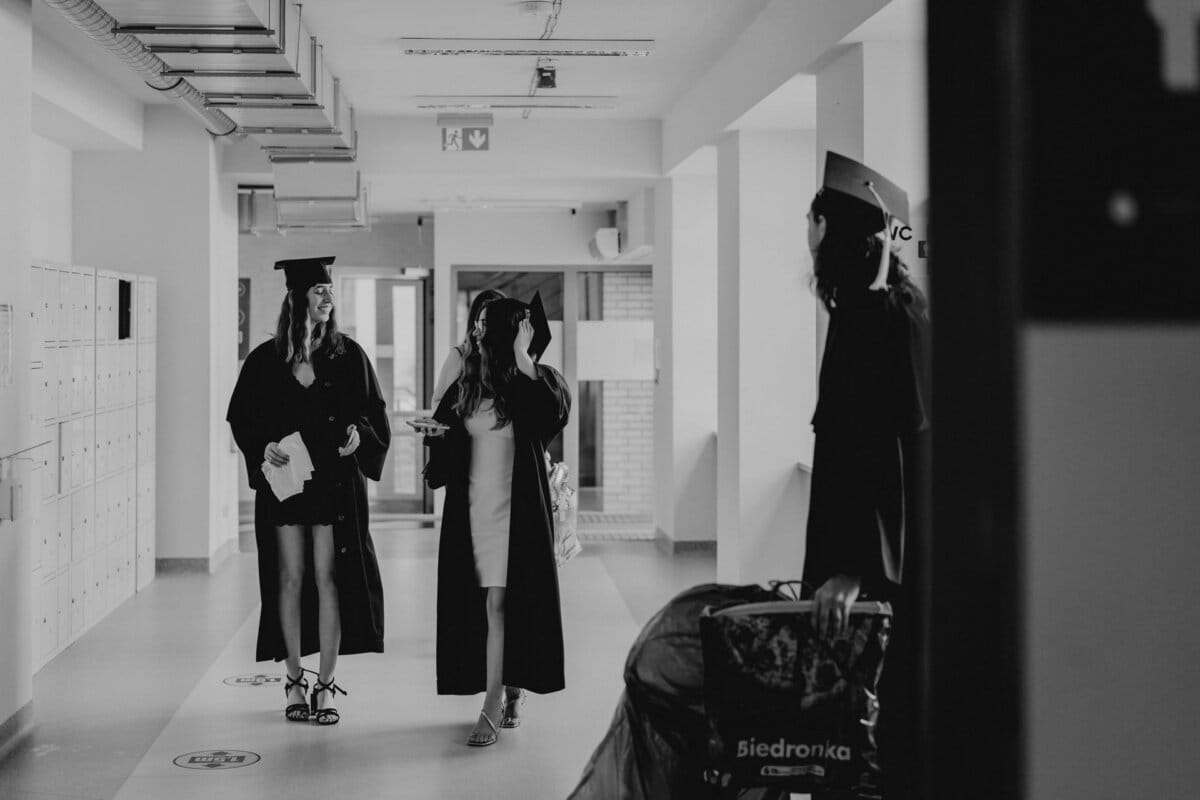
466	139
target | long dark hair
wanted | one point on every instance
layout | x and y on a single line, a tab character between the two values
477	305
291	329
847	259
490	367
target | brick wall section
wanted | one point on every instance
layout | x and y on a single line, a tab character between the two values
628	407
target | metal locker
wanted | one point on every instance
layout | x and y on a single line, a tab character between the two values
88	493
89	378
101	445
77	301
66	310
145	556
64	457
103	513
47	539
64	382
103	377
48	452
65	531
73	380
36	293
131	505
78	593
131	373
90	594
89	305
43	616
89	448
48	397
49	299
75	426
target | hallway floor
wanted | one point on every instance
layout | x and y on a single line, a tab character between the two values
171	674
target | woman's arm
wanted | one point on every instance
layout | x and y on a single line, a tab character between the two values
451	369
541	404
246	418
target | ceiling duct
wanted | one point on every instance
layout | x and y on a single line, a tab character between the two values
253	62
319	195
549	48
103	29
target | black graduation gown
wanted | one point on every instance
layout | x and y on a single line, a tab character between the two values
870	410
533	635
350	394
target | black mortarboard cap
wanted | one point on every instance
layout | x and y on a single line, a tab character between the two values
303	273
541	326
847	176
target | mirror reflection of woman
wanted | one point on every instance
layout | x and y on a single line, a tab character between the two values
499	627
314	380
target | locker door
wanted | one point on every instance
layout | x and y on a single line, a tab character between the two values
50	317
131	505
65	531
37	292
47	539
48	391
89	378
88	493
42	630
90	595
77	599
49	455
89	448
65	443
66	312
101	377
75	426
89	306
101	447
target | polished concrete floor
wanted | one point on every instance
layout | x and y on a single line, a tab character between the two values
169	679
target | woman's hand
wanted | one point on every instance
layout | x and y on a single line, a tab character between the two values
831	605
275	456
885	259
428	426
524	336
352	442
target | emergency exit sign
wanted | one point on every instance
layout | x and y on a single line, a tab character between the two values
466	138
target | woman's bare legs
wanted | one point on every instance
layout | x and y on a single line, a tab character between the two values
495	664
329	619
290	544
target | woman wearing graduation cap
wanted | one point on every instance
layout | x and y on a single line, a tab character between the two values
499	626
869	417
309	398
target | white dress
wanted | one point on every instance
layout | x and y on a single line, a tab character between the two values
490	494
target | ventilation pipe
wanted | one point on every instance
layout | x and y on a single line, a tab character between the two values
98	24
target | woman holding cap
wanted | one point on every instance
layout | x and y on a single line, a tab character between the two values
452	366
869	417
313	380
499	626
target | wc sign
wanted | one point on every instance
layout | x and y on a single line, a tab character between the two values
465	139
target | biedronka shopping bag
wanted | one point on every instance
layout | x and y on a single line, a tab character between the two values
787	709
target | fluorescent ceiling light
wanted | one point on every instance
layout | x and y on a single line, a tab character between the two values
437	46
515	101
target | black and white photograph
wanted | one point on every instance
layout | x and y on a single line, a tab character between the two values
600	400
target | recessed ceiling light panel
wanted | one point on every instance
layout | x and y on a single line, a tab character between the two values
515	101
440	46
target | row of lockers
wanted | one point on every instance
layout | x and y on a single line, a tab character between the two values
68	604
71	528
75	379
91	448
79	304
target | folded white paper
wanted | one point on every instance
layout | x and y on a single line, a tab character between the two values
288	480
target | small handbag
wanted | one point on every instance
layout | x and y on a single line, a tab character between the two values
565	510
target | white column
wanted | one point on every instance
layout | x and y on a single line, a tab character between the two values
685	330
766	371
16	393
166	211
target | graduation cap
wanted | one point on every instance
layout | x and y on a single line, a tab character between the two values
541	326
304	273
858	181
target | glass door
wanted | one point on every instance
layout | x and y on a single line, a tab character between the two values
386	316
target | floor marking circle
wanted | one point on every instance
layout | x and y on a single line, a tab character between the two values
217	759
255	680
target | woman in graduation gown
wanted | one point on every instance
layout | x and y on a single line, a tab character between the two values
318	574
499	624
869	422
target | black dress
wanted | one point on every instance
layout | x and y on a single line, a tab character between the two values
302	412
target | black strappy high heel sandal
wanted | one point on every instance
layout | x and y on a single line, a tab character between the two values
297	712
326	716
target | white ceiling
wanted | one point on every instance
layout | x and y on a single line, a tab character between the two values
361	44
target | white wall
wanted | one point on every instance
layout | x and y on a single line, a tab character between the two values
766	354
51	201
16	398
1111	484
685	309
131	215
